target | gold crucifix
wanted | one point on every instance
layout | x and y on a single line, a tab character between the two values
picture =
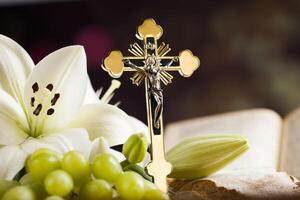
150	63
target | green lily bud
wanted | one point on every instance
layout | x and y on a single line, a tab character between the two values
135	148
201	156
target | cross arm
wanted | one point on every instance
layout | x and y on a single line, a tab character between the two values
115	63
187	63
133	63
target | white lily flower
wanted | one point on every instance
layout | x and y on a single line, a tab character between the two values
100	145
51	105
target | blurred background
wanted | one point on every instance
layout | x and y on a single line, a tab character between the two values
249	50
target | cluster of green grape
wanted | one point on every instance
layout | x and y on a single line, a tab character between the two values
52	177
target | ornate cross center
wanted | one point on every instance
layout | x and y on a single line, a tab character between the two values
150	63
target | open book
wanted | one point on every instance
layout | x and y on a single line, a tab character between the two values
274	142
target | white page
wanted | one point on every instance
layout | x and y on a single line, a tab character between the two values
290	154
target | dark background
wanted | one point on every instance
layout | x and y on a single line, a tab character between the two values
249	50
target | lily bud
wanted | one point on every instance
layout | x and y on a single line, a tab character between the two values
201	156
135	148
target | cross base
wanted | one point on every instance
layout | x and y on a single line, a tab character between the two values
160	170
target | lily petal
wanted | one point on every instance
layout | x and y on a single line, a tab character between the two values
12	120
104	120
90	96
62	142
100	145
58	85
12	159
139	127
15	67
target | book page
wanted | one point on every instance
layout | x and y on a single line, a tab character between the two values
290	150
262	127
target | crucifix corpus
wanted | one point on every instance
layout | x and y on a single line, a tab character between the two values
150	63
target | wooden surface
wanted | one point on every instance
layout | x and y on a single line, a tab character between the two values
245	185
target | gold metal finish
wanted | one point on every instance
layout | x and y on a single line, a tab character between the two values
150	63
114	64
188	63
149	28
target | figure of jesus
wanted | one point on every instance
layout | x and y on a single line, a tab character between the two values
152	69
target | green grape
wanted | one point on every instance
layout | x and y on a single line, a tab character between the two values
6	185
106	166
44	150
77	166
36	186
130	185
38	152
152	192
149	186
115	194
26	180
58	183
54	198
155	194
19	193
95	190
41	163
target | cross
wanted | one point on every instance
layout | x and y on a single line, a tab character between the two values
151	64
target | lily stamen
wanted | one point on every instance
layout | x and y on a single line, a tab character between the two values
38	109
32	100
115	84
35	87
50	87
45	100
55	98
